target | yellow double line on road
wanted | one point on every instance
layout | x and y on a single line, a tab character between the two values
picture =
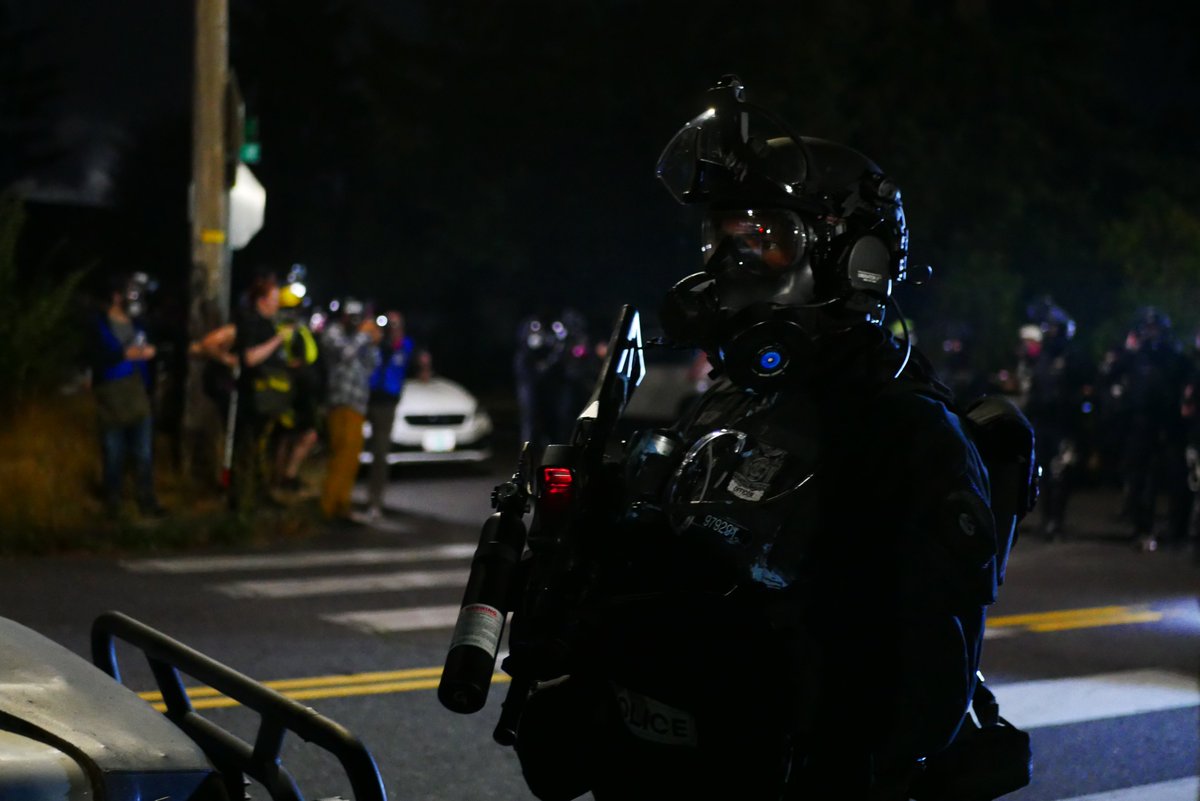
400	681
1065	619
339	686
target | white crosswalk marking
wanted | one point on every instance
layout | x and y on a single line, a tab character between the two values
341	585
391	621
292	561
1178	790
1054	702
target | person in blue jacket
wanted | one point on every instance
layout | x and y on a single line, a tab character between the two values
386	385
121	356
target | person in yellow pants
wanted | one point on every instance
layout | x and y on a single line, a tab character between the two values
350	345
344	427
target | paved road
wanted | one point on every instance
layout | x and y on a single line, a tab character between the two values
1093	647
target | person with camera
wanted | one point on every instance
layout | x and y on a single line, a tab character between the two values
391	373
121	357
264	389
786	596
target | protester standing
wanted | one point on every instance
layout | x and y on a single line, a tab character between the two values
349	345
297	434
120	361
386	385
264	391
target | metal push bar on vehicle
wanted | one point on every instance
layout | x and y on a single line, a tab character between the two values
234	757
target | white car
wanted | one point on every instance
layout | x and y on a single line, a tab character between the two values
437	421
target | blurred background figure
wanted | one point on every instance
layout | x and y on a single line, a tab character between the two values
582	365
1150	378
264	390
1110	423
1054	378
296	433
554	368
392	368
349	344
1190	410
121	356
957	367
1029	350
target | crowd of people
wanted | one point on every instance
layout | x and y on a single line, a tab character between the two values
282	379
286	384
1128	419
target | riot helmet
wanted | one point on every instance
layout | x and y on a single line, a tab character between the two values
1055	323
1151	327
802	239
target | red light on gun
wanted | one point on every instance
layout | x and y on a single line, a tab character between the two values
557	481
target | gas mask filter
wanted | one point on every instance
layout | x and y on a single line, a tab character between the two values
767	349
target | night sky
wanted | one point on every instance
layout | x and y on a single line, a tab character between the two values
470	162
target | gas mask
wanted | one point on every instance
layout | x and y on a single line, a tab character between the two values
802	239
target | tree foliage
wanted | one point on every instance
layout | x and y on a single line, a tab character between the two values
38	341
1157	246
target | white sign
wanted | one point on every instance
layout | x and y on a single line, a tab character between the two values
247	207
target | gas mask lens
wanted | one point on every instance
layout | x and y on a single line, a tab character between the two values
764	241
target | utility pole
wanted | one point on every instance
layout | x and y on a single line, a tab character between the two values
208	287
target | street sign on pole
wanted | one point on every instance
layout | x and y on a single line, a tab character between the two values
247	207
251	147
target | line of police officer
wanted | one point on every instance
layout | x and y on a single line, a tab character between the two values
1131	419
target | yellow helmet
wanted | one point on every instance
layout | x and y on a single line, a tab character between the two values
292	295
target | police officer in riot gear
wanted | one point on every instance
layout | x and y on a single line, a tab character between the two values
794	603
1152	374
1054	405
551	351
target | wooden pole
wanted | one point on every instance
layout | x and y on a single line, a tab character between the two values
208	302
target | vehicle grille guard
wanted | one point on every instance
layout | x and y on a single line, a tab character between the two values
232	756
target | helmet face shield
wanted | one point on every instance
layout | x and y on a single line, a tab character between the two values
696	142
723	147
764	241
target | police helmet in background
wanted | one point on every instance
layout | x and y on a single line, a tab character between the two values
1053	320
803	239
1151	325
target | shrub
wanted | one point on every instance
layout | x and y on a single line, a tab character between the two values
37	348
